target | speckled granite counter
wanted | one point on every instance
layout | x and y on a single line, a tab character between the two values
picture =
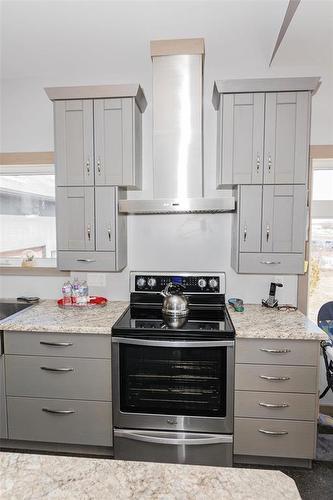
26	476
48	317
264	323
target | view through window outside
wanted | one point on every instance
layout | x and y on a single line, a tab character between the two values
27	219
321	244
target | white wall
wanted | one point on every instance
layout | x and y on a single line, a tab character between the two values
69	43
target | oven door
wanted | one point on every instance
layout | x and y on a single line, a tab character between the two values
173	385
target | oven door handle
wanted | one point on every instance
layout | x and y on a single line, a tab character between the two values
172	343
146	438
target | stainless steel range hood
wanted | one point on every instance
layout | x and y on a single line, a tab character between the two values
177	133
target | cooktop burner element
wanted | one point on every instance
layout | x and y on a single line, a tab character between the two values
208	318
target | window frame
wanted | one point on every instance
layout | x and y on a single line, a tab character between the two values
29	163
317	152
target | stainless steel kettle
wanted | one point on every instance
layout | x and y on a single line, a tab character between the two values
175	303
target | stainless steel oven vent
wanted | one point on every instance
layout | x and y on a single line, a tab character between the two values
177	133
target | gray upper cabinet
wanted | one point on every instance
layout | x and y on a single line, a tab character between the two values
74	152
269	229
287	125
263	130
98	135
240	152
75	218
117	143
284	218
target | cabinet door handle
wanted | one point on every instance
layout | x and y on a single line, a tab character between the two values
245	233
273	433
109	233
88	166
56	344
89	231
85	260
258	162
269	162
269	377
62	370
271	405
275	351
58	412
267	232
269	262
99	165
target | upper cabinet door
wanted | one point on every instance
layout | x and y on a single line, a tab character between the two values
74	156
114	142
287	125
250	218
75	218
105	202
241	128
284	218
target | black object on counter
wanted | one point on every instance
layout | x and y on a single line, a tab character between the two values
28	300
271	301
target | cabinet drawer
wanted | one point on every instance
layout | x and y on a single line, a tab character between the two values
58	344
86	261
277	352
57	377
274	438
275	405
271	263
81	422
274	378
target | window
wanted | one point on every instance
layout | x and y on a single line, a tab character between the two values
321	242
27	216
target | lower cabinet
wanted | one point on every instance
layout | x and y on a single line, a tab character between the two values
60	421
276	399
58	389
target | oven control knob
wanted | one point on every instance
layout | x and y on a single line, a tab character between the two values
202	283
213	283
141	282
152	282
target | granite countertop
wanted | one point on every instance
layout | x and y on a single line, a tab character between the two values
48	317
265	323
25	476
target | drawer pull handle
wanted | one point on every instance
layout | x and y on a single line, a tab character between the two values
268	377
58	412
273	433
269	262
271	405
56	344
63	370
275	351
85	260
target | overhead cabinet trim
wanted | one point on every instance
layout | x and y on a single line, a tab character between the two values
98	92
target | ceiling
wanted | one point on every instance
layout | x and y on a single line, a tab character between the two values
46	38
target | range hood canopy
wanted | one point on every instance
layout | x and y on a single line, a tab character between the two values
177	133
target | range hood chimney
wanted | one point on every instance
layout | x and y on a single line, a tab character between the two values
177	132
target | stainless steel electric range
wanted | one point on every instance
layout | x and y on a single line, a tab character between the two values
173	383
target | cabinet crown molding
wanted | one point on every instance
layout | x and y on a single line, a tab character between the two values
248	85
99	92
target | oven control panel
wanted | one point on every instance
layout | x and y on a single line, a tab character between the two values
191	282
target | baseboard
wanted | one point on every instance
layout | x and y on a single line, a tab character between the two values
280	461
56	448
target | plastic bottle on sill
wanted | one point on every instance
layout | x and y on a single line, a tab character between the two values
75	291
67	294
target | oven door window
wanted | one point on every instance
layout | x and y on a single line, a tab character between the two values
174	381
